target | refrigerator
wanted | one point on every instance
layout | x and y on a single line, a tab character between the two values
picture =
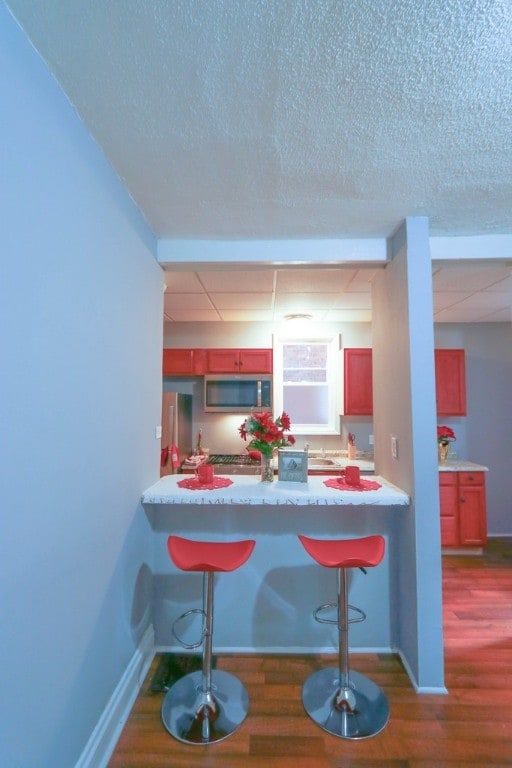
176	431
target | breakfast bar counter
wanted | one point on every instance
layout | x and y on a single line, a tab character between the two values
249	490
267	605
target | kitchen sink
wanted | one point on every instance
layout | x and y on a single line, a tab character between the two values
314	462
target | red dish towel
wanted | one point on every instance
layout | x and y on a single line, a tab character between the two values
341	485
193	484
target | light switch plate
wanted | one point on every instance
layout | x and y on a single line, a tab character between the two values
394	447
158	432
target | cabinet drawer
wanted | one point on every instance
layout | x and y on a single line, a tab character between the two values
471	478
447	478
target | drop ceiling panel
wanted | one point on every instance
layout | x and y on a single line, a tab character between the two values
303	302
246	315
234	281
175	301
235	300
312	281
182	282
193	315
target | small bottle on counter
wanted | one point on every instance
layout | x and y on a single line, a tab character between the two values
199	448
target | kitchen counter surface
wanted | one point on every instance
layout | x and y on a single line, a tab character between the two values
462	466
249	490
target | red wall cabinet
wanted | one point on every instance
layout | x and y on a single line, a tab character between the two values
450	382
450	369
463	509
239	360
358	386
184	362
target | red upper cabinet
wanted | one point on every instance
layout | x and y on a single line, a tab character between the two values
450	382
239	361
184	362
358	386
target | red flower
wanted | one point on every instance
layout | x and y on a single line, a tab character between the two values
267	434
445	435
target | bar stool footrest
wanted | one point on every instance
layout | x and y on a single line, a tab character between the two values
360	614
188	646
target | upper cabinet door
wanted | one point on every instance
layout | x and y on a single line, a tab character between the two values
255	361
223	361
239	361
184	362
178	361
450	382
358	386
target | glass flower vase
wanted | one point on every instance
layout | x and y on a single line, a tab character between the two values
267	470
442	450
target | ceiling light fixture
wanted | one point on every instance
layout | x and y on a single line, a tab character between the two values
298	316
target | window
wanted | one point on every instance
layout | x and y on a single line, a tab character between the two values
307	383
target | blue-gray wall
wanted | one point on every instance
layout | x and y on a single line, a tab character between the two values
484	434
81	339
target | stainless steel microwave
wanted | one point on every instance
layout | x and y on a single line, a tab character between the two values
237	394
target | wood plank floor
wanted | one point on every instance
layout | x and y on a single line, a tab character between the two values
471	726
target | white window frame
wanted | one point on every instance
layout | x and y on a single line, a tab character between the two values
333	342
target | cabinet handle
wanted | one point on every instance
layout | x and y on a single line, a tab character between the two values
471	477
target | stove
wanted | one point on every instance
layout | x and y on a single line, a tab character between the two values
234	464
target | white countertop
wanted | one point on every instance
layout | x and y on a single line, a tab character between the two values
458	465
249	490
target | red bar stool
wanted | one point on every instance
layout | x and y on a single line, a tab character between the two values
208	705
344	703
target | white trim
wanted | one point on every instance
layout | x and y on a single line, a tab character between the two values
103	739
299	650
441	690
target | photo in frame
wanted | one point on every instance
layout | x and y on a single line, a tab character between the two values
292	465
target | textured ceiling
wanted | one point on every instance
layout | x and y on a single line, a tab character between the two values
293	118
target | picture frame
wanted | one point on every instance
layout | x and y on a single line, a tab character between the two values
292	466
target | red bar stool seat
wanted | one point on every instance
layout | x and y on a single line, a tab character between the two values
343	702
206	706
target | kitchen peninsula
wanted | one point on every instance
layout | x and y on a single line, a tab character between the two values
267	605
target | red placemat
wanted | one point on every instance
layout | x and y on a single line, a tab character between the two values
341	485
193	484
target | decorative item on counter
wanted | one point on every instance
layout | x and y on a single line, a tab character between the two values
267	435
445	436
351	447
352	475
195	484
205	473
292	466
199	448
340	484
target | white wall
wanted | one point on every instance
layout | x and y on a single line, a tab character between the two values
81	339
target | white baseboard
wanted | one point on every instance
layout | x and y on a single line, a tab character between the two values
103	739
441	690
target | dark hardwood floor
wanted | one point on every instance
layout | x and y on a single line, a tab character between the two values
471	726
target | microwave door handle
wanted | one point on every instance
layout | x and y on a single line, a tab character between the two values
259	394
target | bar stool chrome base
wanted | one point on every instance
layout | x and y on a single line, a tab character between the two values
358	711
196	717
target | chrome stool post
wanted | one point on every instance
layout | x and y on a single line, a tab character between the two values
344	702
206	706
